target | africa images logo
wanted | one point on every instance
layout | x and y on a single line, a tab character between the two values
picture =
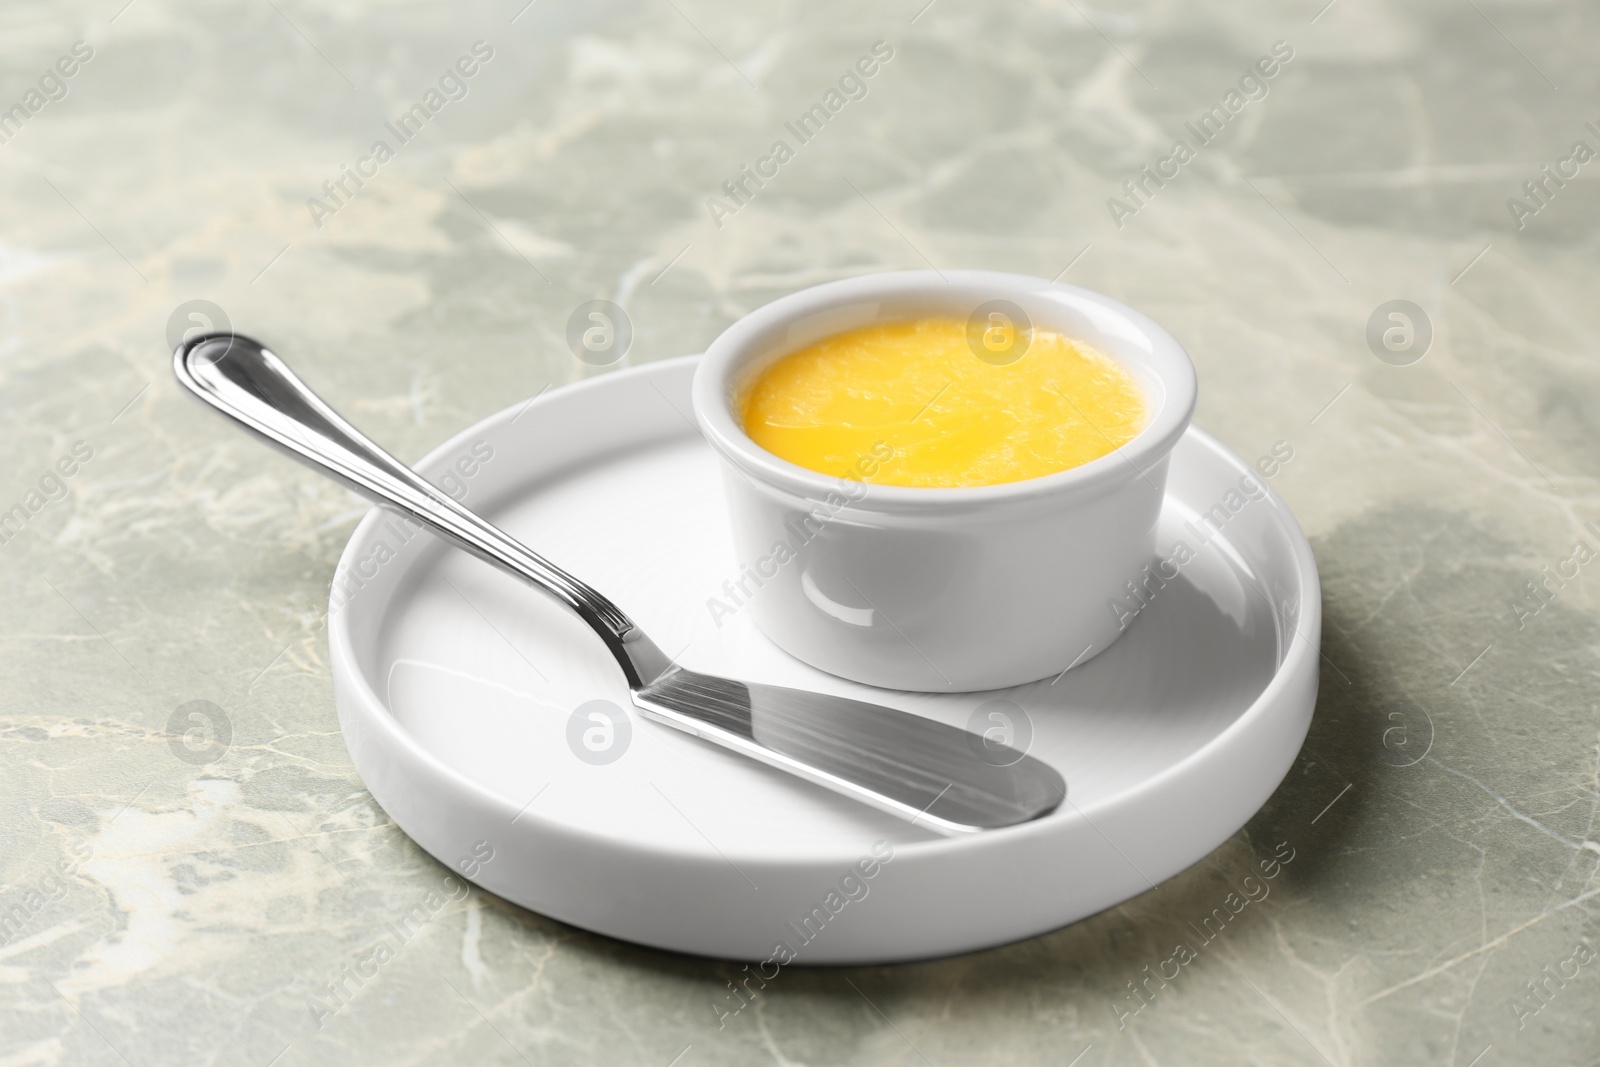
452	85
1151	178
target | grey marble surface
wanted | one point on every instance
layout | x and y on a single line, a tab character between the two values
173	903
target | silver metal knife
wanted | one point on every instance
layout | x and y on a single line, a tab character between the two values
924	771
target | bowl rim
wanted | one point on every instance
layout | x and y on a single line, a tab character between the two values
717	378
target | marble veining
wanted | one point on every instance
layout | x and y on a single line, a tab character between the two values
192	873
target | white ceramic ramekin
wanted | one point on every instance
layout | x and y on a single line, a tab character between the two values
944	589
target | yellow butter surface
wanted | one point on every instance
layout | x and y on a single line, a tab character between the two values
912	404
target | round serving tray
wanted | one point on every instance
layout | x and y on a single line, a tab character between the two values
497	731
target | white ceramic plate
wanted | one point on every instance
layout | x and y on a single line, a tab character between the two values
457	688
